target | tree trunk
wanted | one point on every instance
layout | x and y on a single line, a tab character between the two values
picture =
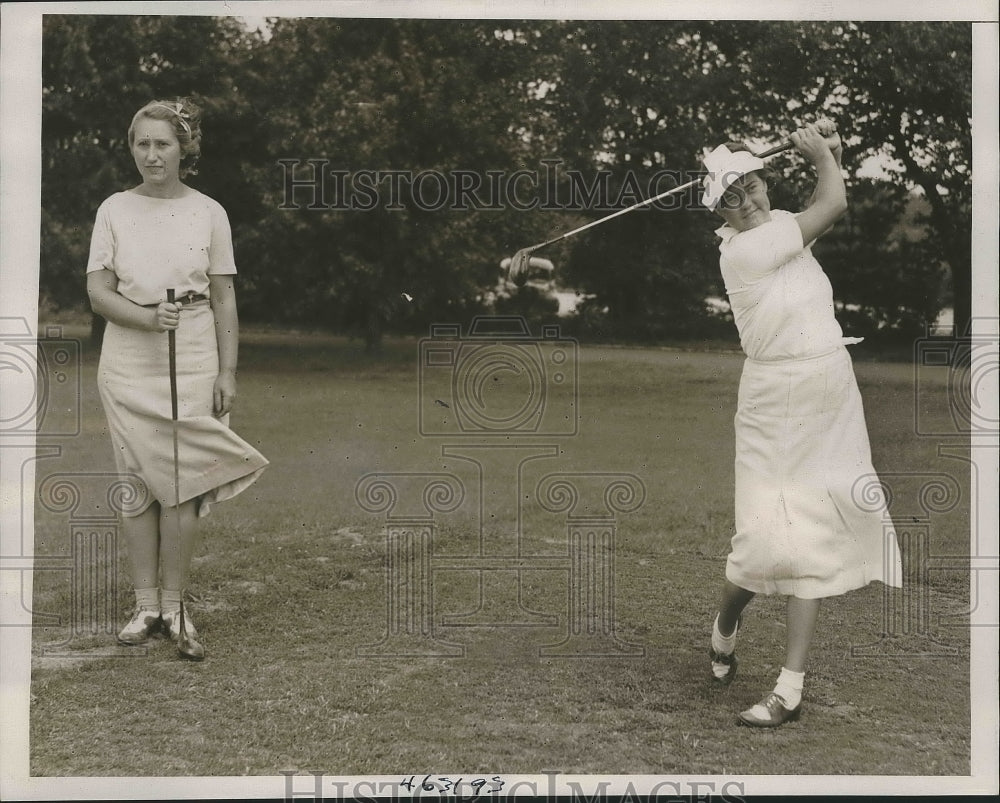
961	284
373	333
954	231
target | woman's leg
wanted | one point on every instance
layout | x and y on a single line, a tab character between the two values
782	704
800	618
723	652
734	600
142	534
178	538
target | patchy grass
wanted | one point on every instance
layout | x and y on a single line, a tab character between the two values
289	588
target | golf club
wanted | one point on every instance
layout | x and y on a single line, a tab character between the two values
186	646
520	263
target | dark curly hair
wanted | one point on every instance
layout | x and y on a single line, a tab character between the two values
185	119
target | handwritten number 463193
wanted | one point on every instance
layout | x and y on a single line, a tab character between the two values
446	786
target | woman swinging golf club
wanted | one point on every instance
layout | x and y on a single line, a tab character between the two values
801	441
168	426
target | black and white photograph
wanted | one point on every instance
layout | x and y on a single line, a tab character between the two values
477	400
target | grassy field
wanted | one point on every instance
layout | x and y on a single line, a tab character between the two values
290	581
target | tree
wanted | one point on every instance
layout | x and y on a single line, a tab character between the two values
900	89
623	109
96	71
885	227
924	116
629	100
357	100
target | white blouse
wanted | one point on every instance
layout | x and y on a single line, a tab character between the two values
154	243
781	299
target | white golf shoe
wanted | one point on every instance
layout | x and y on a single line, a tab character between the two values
143	622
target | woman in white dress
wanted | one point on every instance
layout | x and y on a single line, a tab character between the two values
802	449
160	235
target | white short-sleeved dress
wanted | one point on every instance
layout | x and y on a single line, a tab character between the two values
811	518
152	244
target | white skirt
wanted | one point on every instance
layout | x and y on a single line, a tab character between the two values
811	518
213	462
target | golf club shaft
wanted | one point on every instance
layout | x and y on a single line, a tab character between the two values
771	152
586	226
184	642
172	355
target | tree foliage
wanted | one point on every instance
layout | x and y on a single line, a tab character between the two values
899	90
96	72
619	102
416	97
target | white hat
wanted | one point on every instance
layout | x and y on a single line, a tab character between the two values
724	167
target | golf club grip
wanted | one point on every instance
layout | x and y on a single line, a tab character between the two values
787	144
172	355
784	146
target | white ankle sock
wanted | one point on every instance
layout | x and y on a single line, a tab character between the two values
789	687
170	600
147	599
723	644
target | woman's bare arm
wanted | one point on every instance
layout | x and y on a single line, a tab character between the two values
227	332
106	301
829	200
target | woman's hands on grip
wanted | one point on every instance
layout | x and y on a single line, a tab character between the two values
816	140
811	143
166	316
828	130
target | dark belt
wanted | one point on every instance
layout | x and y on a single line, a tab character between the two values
190	297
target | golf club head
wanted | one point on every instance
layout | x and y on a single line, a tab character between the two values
187	646
519	264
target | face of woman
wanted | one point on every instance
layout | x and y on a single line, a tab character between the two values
157	153
745	205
